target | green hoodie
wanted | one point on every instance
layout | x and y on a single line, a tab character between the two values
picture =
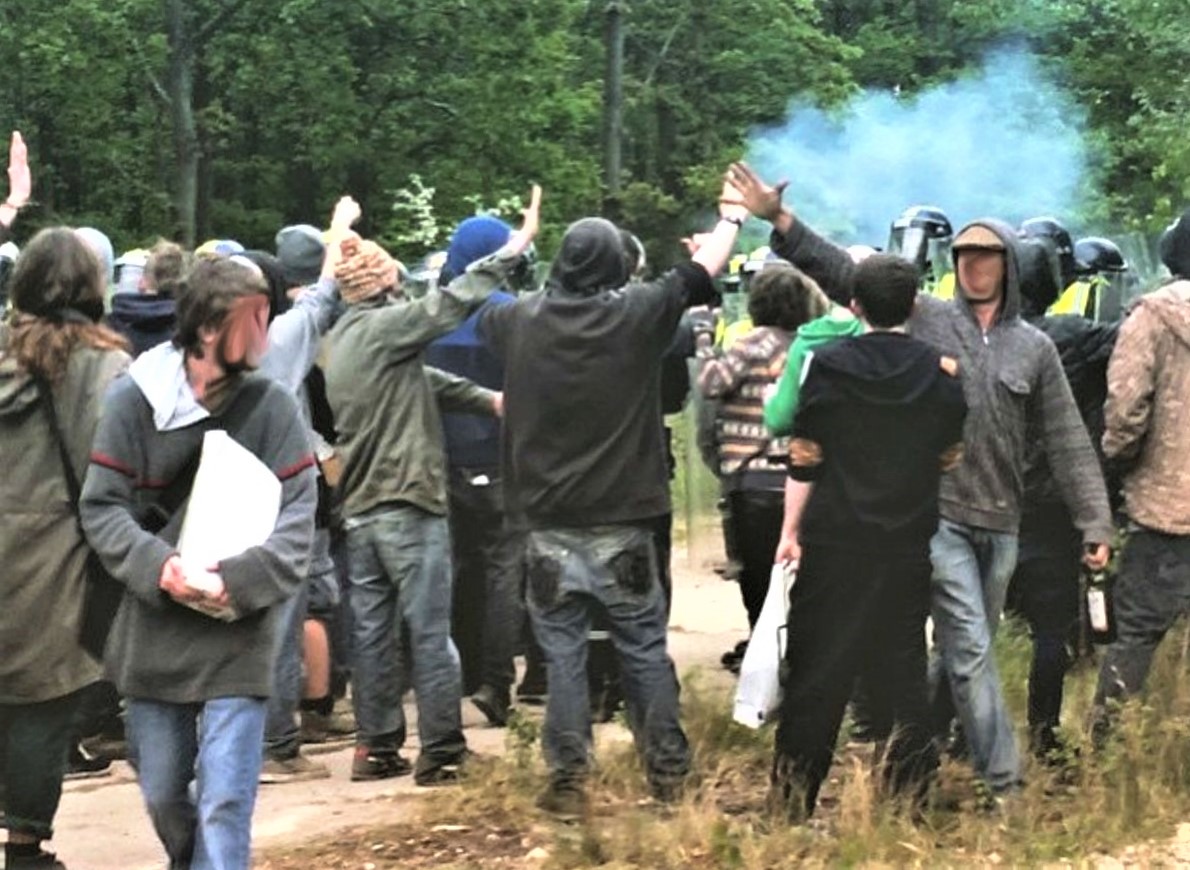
836	323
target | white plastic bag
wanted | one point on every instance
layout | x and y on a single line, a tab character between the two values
233	506
758	693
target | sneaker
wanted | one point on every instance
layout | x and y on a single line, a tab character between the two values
84	764
370	764
295	769
492	704
427	773
566	803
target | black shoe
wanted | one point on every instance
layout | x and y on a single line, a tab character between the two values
732	658
83	764
39	859
427	773
492	704
370	764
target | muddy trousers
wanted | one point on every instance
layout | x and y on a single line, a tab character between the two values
853	613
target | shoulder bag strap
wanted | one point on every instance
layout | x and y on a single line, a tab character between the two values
51	413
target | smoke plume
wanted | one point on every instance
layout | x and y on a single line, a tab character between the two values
1004	142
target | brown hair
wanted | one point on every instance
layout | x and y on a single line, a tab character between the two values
782	295
57	291
206	296
165	268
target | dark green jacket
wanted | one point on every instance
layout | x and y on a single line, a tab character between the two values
386	401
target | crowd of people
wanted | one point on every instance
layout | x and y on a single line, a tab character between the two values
475	473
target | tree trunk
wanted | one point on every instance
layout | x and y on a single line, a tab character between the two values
613	110
180	88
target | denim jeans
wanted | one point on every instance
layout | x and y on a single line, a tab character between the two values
34	741
1151	593
399	559
573	575
972	568
282	736
198	766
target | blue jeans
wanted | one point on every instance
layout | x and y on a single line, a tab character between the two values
972	568
399	559
575	574
198	766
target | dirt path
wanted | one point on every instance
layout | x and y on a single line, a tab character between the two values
102	823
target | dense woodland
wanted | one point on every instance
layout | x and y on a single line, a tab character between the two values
228	118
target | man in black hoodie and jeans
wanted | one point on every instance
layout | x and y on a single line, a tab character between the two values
880	418
584	462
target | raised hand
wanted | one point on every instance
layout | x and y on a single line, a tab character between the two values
20	180
759	197
532	215
347	212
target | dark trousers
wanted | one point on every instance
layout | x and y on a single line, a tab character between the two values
487	612
1044	590
756	517
1152	591
854	613
34	741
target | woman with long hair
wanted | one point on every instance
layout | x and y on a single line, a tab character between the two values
52	350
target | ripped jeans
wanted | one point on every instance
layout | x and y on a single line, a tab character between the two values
573	575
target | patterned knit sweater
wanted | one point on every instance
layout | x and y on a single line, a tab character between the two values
741	379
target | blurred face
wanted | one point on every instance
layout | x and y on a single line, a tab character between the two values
242	339
980	273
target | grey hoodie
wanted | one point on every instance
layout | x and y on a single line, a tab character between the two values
1014	386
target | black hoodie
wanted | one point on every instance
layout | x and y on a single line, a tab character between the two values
144	320
877	413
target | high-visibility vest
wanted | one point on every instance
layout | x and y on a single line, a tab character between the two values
1078	298
944	289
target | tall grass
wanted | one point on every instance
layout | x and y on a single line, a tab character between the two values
1137	788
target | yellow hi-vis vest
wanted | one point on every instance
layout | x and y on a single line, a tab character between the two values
1075	299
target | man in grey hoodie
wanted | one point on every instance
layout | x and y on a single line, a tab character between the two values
1016	391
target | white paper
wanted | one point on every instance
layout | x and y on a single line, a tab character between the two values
233	507
758	692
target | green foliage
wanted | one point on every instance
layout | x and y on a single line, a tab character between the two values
298	101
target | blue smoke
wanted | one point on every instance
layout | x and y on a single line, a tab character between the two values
1005	142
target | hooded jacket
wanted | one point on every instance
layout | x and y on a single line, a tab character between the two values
837	323
41	546
143	319
583	442
151	429
1147	412
877	415
1012	379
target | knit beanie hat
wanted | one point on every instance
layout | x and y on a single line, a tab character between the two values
475	238
301	250
365	272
